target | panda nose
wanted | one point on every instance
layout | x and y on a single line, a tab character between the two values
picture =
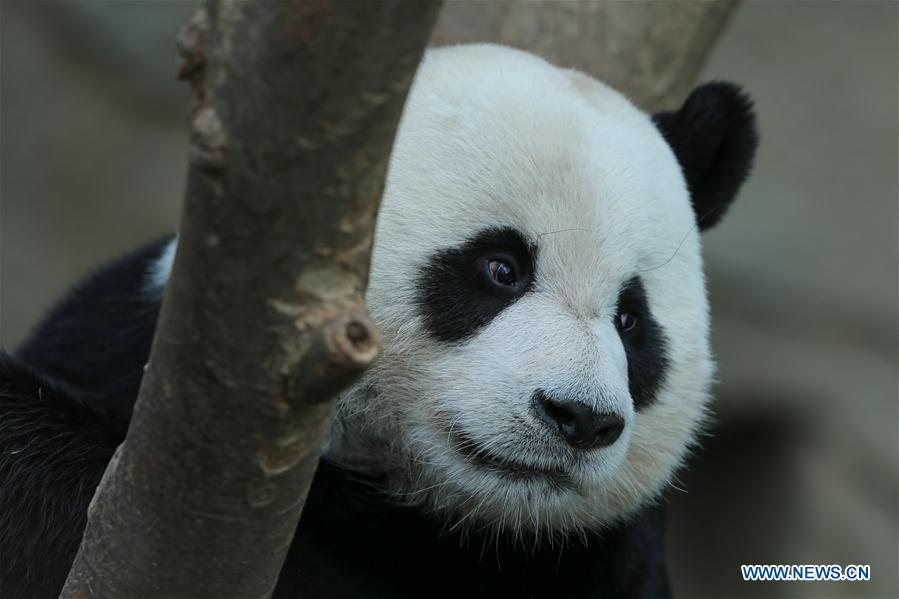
579	425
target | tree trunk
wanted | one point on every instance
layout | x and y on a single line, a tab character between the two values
296	105
649	50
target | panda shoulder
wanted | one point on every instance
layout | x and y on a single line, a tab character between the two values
97	338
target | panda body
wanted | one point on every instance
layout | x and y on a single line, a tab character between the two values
538	283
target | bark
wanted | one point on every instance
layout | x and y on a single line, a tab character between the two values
649	50
295	109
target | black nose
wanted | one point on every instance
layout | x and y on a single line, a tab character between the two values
580	426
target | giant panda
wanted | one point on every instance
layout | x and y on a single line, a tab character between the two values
538	284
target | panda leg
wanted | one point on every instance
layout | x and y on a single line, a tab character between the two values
54	449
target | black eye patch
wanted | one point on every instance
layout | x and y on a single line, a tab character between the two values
644	343
458	292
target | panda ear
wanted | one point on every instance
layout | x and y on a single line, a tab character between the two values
714	137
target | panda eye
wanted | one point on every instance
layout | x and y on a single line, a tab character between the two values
502	272
626	321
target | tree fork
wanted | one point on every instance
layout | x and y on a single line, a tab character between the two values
294	112
649	51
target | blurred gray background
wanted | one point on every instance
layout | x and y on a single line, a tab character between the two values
801	465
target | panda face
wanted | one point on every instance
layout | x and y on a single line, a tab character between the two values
537	280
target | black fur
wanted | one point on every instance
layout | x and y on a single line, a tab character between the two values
53	450
352	542
645	345
98	338
456	296
714	137
57	437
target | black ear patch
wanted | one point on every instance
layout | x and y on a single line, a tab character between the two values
714	137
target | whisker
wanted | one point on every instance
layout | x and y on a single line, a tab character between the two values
683	239
566	231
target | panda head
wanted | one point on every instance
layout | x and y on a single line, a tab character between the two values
538	284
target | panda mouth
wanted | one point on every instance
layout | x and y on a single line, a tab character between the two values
478	455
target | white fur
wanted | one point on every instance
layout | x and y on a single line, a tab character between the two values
159	272
496	137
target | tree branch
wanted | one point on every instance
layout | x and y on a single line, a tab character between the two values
650	51
295	109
